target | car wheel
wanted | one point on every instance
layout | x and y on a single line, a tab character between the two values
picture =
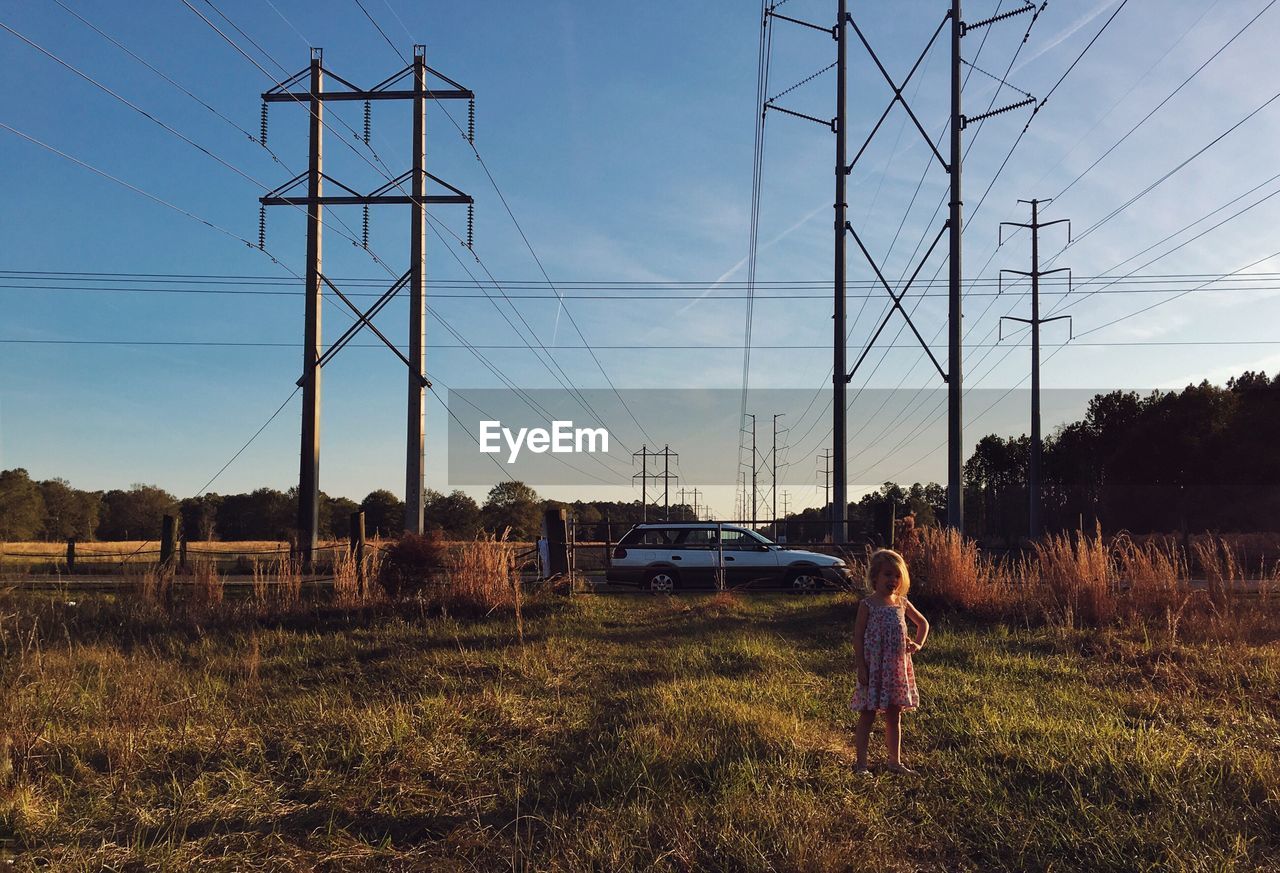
804	580
663	581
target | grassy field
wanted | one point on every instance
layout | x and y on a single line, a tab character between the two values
129	547
48	559
18	560
625	733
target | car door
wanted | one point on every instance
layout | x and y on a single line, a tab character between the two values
641	549
695	555
748	561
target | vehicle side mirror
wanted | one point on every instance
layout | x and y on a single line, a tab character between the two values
762	548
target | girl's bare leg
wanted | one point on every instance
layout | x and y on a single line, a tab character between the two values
893	734
862	735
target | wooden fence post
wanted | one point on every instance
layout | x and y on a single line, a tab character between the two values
168	533
71	554
357	548
555	530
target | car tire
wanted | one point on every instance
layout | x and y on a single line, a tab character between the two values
804	580
662	581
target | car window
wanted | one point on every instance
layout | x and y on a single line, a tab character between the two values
740	540
699	537
647	537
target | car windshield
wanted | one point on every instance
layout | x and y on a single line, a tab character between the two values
743	537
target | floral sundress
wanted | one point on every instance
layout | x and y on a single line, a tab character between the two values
891	679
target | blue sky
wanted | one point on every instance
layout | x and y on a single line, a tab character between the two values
622	141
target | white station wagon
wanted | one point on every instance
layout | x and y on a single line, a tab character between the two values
666	556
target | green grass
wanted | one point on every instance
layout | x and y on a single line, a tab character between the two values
628	733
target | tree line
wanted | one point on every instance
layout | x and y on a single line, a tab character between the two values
1203	458
54	510
1206	457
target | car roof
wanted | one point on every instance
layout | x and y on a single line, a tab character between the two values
687	524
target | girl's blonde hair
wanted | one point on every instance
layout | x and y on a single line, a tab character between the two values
876	563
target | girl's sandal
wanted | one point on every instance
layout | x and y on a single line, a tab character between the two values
901	769
861	770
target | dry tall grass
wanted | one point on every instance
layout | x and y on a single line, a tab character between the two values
1083	580
480	576
207	589
277	583
949	570
154	586
353	579
1074	579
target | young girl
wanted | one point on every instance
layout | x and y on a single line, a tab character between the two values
882	649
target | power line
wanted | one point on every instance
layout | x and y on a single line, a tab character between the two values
621	347
800	284
274	9
205	487
381	32
130	186
1152	186
760	112
248	135
1205	10
1157	288
135	107
1162	103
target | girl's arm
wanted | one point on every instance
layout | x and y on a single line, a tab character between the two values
921	623
859	634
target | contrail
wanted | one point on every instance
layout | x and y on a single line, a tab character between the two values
1069	32
724	277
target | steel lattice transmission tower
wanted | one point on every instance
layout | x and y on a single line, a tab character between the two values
952	374
314	200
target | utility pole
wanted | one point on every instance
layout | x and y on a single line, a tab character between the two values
644	482
839	33
825	457
754	466
1034	522
773	457
695	504
314	202
666	483
955	314
309	471
839	519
